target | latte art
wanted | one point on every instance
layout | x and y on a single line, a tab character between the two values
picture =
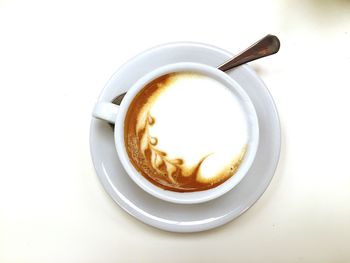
186	132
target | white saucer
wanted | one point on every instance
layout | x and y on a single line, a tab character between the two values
175	217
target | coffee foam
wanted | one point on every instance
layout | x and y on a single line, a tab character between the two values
196	122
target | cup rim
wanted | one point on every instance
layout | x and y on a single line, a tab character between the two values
185	197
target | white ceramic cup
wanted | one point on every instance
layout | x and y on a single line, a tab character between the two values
116	114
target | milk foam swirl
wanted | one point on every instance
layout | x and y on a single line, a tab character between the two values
174	141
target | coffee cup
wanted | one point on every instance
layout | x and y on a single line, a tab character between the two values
185	133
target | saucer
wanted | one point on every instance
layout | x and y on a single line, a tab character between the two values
177	217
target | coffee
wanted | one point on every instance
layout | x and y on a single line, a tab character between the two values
186	132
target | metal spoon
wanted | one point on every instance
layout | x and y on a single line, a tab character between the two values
266	46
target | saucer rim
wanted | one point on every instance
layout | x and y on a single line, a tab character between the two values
109	187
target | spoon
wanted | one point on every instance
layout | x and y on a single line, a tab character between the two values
266	46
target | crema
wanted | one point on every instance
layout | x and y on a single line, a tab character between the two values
186	132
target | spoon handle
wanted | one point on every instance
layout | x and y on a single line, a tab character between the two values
266	46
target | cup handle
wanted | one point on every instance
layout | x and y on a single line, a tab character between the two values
106	111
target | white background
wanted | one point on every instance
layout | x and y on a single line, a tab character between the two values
56	56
